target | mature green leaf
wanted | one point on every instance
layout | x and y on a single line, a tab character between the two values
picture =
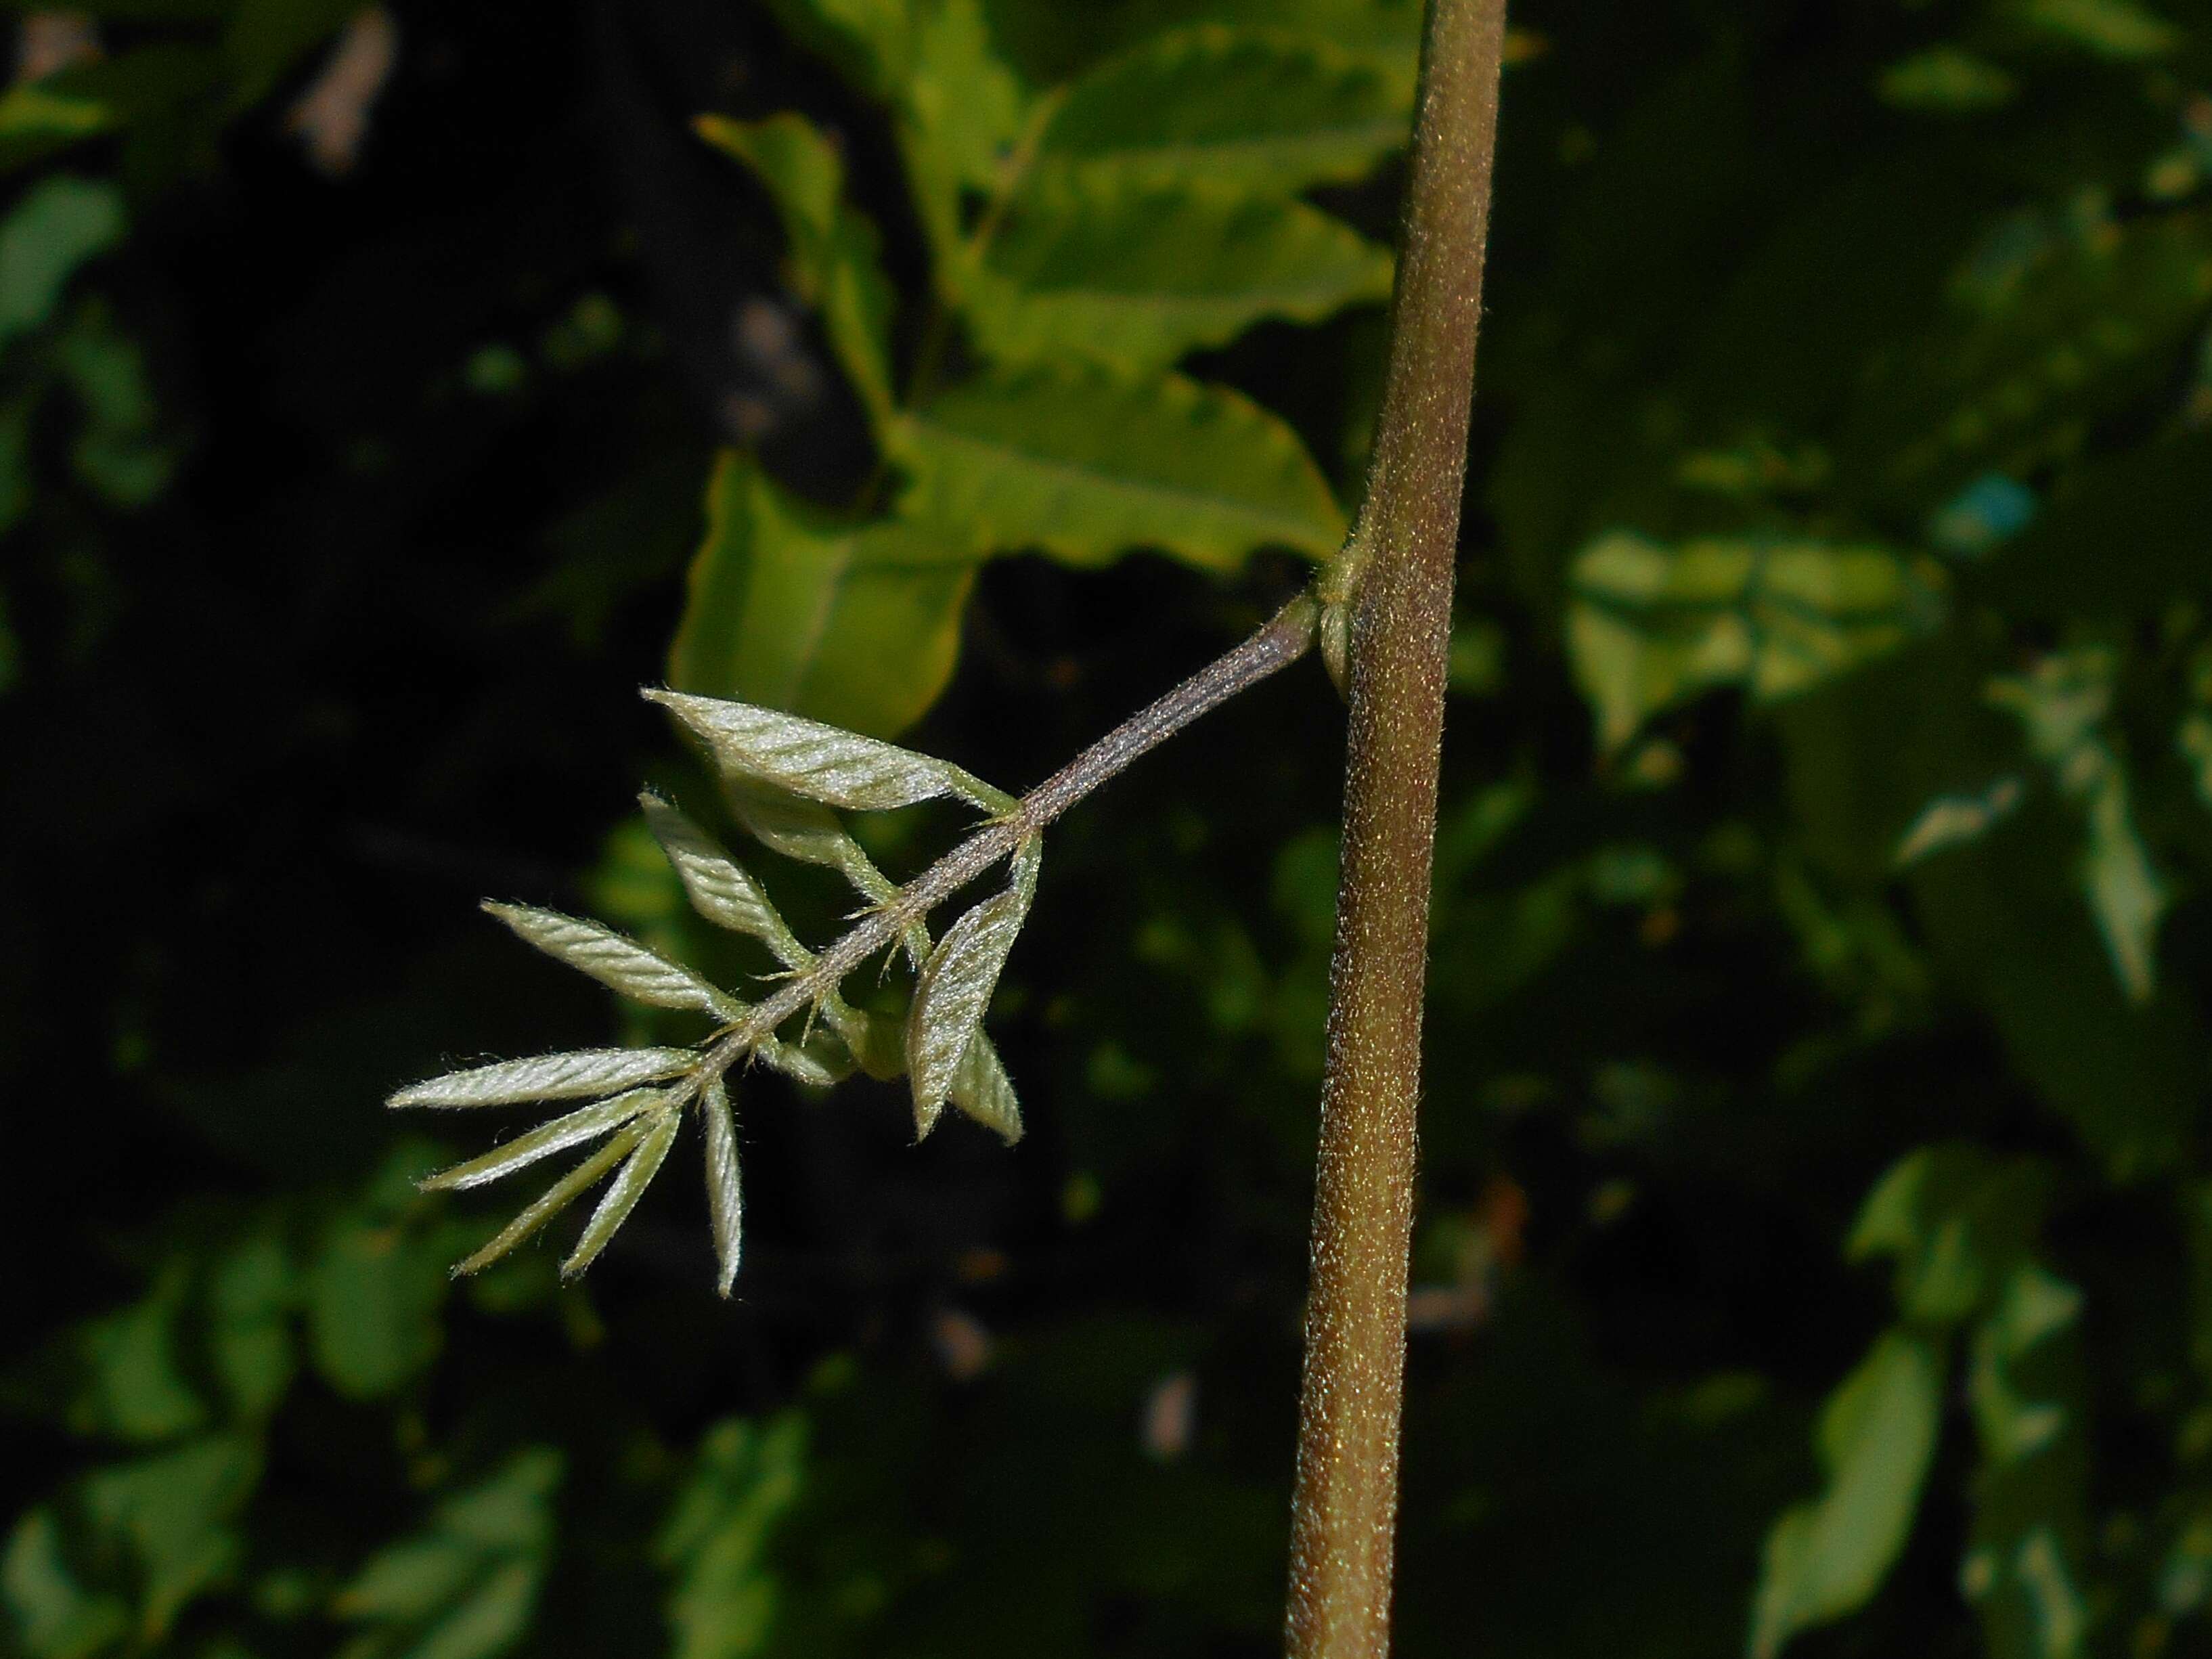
1270	111
958	107
1087	267
835	263
619	963
623	1192
955	984
1877	1435
466	1586
724	1197
1652	625
62	222
819	763
1086	466
574	1076
744	1480
855	624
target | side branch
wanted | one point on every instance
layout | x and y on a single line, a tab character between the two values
1286	637
1392	588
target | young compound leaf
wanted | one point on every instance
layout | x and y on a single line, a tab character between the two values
1086	465
835	261
725	1202
1271	113
857	625
554	1199
620	964
622	1193
822	762
956	984
1136	279
548	1077
720	889
982	1089
588	1123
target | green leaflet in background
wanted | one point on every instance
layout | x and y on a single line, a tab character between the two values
958	107
857	625
466	1585
714	1542
1652	625
1272	113
1086	466
2024	1568
2055	321
835	261
58	225
1956	1221
1961	1225
2064	704
1877	1436
1136	279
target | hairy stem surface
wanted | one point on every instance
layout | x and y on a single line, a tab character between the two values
1397	580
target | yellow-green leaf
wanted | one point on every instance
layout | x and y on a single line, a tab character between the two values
1137	277
1086	466
855	625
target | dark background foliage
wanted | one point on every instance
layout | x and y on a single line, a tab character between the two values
1826	806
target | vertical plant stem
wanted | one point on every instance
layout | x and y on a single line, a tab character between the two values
1399	577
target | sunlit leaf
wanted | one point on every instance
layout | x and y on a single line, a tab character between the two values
1877	1435
549	1077
1086	466
1135	278
619	963
834	254
857	625
1272	112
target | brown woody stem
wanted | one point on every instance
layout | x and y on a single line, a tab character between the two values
1395	580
